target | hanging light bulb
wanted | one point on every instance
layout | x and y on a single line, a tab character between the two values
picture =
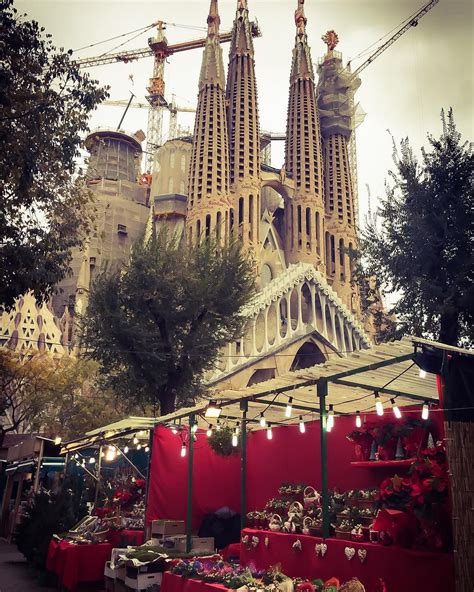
330	419
194	428
378	404
218	425
263	421
147	449
57	440
425	410
237	428
174	430
302	426
91	460
117	451
235	440
209	431
110	454
289	407
269	432
125	450
139	446
422	373
183	449
76	455
135	440
358	420
395	409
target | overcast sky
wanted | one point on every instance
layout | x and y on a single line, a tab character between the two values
430	67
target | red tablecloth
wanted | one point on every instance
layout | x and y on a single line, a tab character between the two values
403	570
77	563
232	550
126	537
175	583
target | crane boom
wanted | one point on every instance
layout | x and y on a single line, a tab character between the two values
412	23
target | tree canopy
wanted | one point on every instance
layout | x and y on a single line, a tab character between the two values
423	248
45	102
157	326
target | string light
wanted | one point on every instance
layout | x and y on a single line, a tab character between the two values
395	409
209	431
110	454
263	421
125	450
422	373
174	430
91	460
147	449
358	420
117	451
135	440
302	426
269	432
425	410
57	440
218	425
194	428
289	407
378	404
139	446
183	449
237	428
235	440
330	419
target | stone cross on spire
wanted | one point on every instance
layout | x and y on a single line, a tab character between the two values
213	20
300	19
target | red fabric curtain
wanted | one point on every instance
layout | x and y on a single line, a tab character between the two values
289	456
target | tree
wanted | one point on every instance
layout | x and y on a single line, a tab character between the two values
44	106
157	326
423	250
54	396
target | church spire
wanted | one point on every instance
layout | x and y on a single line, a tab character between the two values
304	213
243	125
208	196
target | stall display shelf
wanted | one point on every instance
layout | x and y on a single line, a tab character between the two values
378	464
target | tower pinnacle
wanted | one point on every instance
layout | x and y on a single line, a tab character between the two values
212	68
213	19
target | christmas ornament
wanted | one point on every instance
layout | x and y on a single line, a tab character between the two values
297	546
349	552
399	453
431	443
362	554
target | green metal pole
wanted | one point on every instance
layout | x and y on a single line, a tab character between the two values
243	473
189	509
322	391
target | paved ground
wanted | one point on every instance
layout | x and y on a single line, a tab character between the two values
15	575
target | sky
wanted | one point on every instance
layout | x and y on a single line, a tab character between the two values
403	91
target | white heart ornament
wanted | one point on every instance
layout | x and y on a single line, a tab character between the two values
349	552
324	548
362	554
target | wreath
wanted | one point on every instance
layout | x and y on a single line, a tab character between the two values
221	442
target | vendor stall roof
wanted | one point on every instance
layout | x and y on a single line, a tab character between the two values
387	369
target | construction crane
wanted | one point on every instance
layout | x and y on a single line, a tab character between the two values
412	22
158	48
173	108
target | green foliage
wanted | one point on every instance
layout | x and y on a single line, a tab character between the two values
44	106
221	442
47	514
157	326
424	249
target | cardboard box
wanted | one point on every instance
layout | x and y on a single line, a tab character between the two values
167	527
144	581
108	571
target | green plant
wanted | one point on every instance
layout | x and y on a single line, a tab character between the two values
221	442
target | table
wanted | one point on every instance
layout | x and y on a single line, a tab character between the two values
175	583
77	563
401	569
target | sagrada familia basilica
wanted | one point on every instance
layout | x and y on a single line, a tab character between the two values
300	221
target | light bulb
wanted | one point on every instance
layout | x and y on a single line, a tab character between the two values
57	440
425	410
237	428
302	426
209	431
147	449
263	421
269	432
422	373
218	425
378	404
117	452
194	428
91	460
395	409
110	454
289	407
125	450
135	440
139	446
235	440
330	419
358	420
183	449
